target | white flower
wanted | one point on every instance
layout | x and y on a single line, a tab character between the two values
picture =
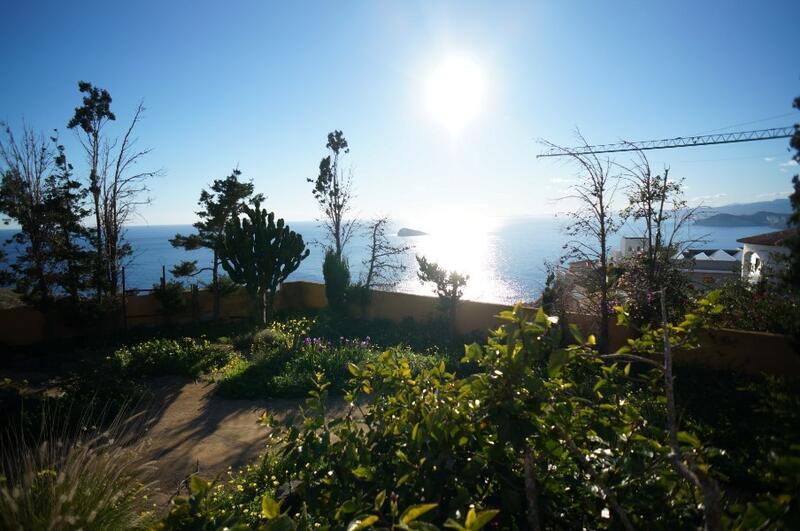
605	513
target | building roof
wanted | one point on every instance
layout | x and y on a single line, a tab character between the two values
776	238
722	255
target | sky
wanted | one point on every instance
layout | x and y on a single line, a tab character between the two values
259	85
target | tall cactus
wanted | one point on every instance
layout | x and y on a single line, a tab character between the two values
261	253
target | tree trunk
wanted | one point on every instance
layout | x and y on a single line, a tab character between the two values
712	503
98	240
263	307
270	307
215	284
531	491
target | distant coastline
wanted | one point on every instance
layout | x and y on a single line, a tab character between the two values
759	219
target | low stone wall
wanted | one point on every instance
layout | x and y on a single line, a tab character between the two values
737	350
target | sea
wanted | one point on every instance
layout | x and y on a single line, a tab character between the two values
504	259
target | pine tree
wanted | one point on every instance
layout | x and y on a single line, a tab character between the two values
224	202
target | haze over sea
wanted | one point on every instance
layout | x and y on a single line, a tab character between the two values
504	259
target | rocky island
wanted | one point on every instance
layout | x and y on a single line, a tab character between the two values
405	231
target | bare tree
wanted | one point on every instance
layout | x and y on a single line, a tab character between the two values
123	188
658	209
385	266
591	226
116	185
659	204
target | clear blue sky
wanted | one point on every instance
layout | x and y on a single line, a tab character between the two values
260	84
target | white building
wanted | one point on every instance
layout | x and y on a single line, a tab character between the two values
705	268
630	245
763	253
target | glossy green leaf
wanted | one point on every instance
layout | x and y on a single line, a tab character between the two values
362	522
269	507
415	511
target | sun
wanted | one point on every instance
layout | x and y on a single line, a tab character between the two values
455	92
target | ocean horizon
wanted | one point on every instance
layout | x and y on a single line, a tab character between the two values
505	261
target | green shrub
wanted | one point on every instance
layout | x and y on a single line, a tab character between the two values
336	273
765	306
278	372
172	298
269	339
74	477
541	432
184	357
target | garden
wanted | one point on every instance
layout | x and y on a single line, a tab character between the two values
526	428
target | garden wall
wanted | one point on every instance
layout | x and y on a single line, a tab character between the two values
750	352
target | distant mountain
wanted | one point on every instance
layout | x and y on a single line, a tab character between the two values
759	219
777	206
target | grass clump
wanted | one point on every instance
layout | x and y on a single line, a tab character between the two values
74	476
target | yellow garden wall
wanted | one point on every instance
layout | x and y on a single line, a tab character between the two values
749	352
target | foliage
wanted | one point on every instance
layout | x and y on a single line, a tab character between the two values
221	204
38	193
448	286
336	273
749	426
638	289
763	306
656	202
185	357
171	296
261	253
282	366
333	192
543	433
74	477
199	510
793	271
269	339
424	337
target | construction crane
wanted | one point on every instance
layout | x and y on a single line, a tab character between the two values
668	143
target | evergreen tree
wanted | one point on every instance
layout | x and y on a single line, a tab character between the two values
793	272
91	117
66	203
224	202
38	194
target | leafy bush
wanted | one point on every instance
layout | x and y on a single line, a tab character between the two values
763	307
549	436
172	298
269	339
540	426
639	293
184	357
73	477
282	372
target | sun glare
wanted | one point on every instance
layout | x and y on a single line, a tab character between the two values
455	92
